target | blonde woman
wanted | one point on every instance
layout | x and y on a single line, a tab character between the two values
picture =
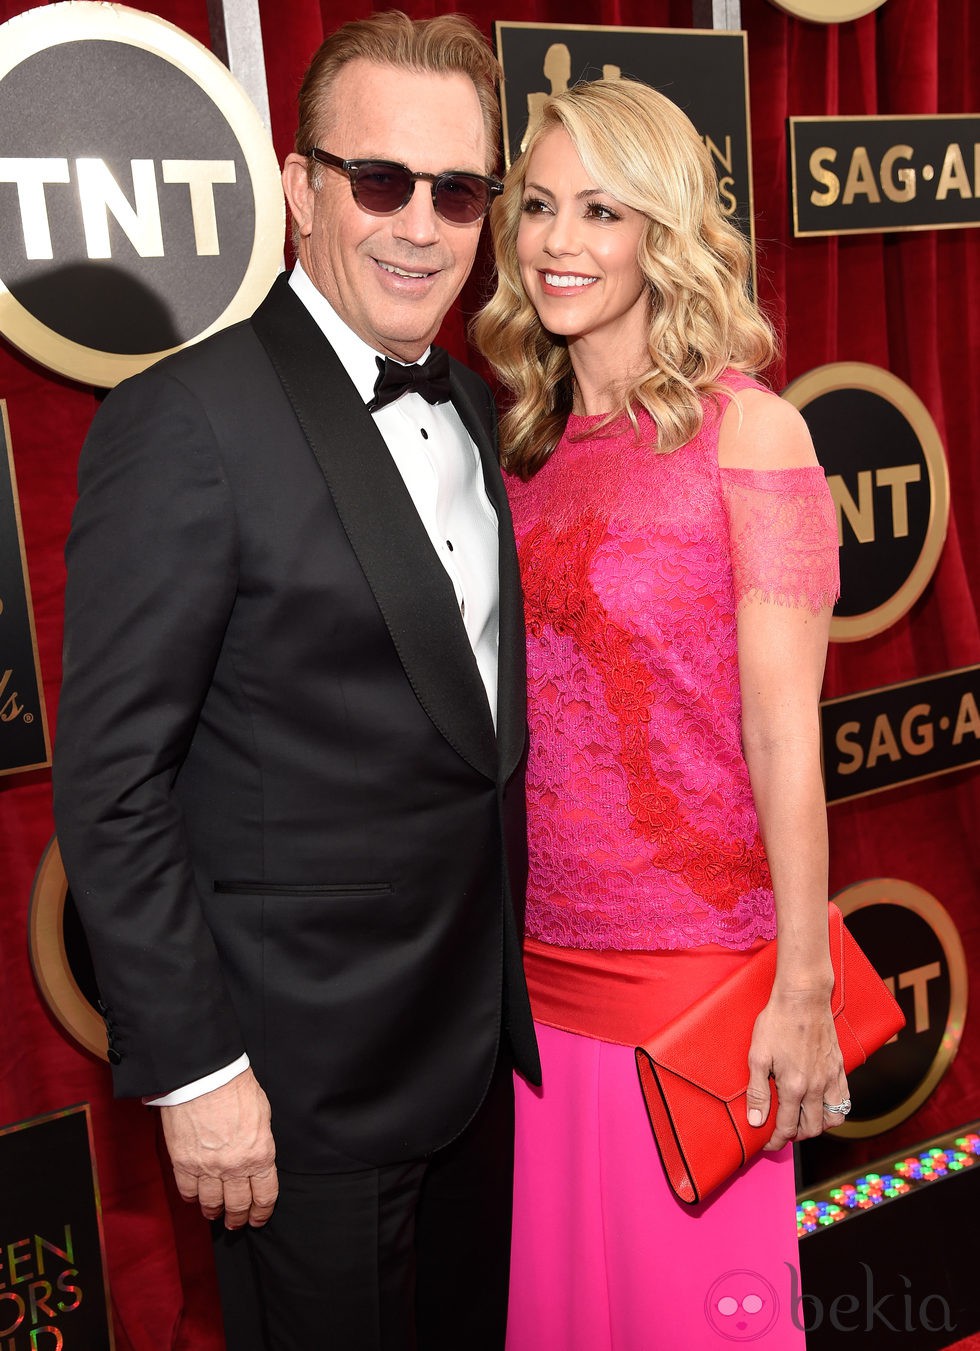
679	559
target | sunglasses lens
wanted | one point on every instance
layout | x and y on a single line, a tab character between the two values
382	187
461	198
386	188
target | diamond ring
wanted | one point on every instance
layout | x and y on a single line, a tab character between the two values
838	1108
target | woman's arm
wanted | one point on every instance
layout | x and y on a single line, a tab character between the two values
782	643
781	656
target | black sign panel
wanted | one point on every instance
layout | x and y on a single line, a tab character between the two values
900	733
23	727
53	1294
140	204
887	473
703	71
859	175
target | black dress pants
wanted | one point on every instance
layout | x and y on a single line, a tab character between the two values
409	1257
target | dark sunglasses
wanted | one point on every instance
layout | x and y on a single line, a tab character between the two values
381	187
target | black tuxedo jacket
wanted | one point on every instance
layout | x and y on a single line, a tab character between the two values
286	820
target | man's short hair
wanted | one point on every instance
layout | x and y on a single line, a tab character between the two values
449	44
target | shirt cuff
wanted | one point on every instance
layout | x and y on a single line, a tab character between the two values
201	1086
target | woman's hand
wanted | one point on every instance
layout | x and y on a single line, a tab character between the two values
794	1041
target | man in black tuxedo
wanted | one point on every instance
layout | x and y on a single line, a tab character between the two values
288	769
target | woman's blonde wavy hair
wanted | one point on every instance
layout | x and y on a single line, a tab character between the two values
638	146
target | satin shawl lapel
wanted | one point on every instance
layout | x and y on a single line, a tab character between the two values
512	661
410	585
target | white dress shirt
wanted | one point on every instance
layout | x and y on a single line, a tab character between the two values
441	468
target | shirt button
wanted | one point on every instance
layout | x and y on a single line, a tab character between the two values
425	434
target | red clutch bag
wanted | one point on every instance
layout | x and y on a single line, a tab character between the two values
694	1071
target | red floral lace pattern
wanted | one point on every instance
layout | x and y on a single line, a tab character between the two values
643	832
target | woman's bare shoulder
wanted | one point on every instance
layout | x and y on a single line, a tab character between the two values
760	430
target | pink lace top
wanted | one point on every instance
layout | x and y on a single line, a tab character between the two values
642	828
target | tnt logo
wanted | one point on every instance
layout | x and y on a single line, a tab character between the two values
140	204
866	516
910	939
886	470
100	197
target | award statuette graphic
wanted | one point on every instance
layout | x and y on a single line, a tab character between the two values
140	201
887	472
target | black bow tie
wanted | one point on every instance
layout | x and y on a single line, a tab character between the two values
430	379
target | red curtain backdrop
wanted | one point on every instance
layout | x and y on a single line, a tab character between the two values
906	302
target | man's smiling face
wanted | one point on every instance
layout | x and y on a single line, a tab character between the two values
390	278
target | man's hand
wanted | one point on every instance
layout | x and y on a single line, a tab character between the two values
223	1153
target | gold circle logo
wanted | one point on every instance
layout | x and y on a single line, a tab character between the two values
828	11
140	201
887	471
59	955
911	941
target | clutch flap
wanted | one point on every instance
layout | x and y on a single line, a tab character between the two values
708	1044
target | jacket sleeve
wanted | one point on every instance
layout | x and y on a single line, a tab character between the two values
151	583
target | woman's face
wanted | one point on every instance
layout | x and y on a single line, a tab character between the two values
577	251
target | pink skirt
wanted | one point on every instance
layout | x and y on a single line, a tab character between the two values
604	1256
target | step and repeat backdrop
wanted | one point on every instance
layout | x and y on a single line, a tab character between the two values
140	209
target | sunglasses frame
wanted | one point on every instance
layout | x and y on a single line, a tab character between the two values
352	167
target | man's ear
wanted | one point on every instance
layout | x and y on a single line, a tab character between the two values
299	192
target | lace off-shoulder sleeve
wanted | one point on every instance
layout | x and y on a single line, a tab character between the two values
783	532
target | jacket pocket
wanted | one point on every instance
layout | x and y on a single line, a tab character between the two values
312	889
